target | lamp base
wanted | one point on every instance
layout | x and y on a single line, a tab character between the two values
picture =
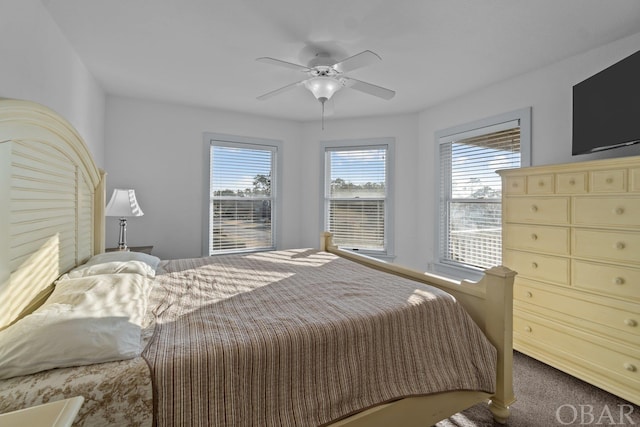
122	239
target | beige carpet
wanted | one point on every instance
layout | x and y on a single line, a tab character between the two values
548	397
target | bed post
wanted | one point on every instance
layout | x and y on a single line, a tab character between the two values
326	241
499	329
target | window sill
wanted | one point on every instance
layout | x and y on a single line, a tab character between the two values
457	272
371	254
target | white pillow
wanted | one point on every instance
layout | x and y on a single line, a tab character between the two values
153	261
113	267
104	295
87	320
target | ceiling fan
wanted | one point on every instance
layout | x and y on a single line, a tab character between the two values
326	76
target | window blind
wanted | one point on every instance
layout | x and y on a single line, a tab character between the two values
241	197
356	196
471	191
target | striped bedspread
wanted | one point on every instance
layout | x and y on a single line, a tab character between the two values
302	338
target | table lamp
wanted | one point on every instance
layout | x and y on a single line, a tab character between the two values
123	204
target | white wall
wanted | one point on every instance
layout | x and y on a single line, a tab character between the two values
157	149
548	91
38	64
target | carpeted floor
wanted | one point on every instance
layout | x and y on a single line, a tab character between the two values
548	397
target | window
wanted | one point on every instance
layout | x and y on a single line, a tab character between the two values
357	208
470	208
242	195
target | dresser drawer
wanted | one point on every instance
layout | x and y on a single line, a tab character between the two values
615	364
634	180
571	183
608	181
607	211
515	185
538	210
608	279
540	184
601	245
535	266
536	238
586	312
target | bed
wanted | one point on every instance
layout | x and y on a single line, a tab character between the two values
312	336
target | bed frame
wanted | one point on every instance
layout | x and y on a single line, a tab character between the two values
51	204
52	199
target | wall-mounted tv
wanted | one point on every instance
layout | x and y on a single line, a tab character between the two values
606	108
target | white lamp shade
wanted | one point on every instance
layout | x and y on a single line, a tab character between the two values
323	87
123	203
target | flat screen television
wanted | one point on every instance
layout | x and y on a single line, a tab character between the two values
606	108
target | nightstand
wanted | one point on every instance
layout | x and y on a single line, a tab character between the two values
143	249
55	414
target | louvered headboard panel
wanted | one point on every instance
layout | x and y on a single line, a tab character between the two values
51	203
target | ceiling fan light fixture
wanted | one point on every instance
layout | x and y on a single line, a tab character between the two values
327	77
323	87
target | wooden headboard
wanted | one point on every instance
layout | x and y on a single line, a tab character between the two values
51	203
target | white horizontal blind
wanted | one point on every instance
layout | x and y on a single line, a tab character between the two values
356	196
471	194
241	197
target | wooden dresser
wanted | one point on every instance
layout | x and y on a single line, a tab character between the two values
572	232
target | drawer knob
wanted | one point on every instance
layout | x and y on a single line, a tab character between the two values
609	180
540	183
534	236
630	322
527	329
534	208
528	295
619	280
534	265
620	245
630	367
619	211
572	181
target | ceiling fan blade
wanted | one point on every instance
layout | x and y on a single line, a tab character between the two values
369	88
278	91
281	63
356	61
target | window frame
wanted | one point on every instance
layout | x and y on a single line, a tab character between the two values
234	141
388	253
467	130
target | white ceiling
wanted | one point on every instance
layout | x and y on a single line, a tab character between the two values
202	52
